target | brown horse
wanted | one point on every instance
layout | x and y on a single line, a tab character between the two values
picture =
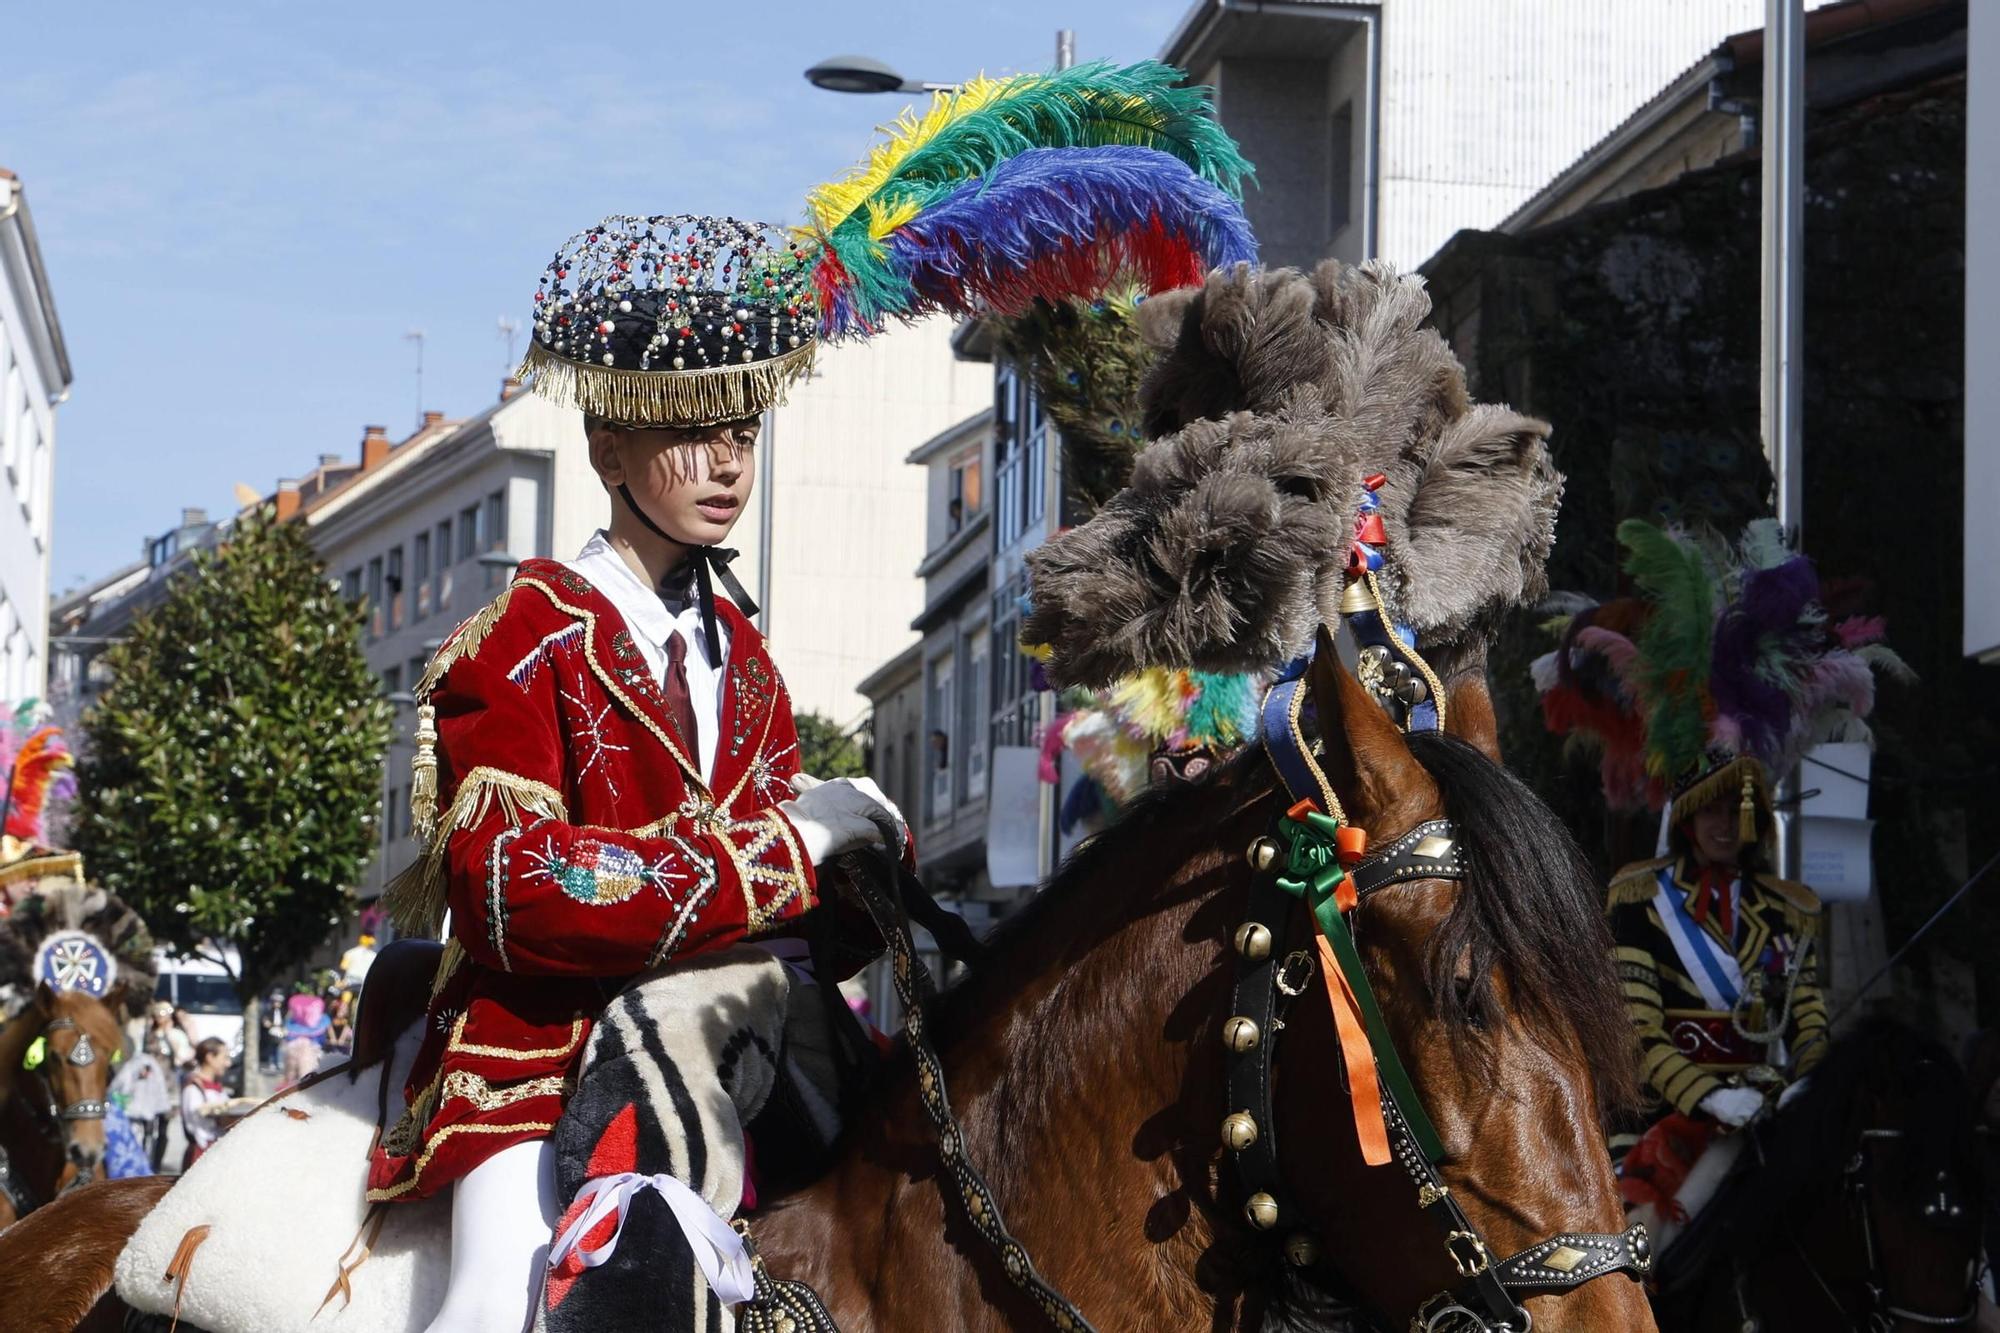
1858	1206
52	1117
1085	1058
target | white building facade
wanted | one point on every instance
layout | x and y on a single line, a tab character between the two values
845	511
1379	129
430	534
34	380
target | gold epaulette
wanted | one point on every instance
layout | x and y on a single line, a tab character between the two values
463	641
1636	883
1799	897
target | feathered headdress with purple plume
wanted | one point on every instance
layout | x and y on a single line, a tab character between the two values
1725	666
1051	185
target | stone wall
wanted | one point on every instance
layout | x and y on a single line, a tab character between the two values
1634	328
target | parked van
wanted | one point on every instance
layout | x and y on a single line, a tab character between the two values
205	990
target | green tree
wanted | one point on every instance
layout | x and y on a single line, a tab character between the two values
825	751
233	767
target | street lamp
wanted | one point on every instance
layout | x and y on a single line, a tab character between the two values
863	74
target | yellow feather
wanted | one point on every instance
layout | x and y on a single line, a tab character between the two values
835	201
882	221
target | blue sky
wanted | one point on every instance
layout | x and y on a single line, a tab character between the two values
245	207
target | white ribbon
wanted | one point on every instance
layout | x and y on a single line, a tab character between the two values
718	1249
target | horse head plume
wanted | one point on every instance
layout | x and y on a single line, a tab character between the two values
1274	395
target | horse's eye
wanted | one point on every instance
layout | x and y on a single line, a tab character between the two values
1466	993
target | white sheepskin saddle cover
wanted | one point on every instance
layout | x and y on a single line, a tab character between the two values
281	1194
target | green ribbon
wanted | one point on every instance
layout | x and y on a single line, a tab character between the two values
1312	873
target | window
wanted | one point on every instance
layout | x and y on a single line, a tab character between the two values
494	536
943	713
163	549
394	580
1034	459
468	532
420	574
392	680
444	543
375	597
1006	452
1014	702
414	671
974	714
350	586
1340	171
965	495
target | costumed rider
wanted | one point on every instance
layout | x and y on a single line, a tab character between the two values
1723	669
607	761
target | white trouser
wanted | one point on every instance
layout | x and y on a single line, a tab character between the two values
502	1215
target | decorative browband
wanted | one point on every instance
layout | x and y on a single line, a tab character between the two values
1431	850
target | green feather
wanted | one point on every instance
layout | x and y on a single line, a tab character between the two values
1094	105
1675	644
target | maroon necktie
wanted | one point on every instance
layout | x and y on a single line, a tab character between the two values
680	703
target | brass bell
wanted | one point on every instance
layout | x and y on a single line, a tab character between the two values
1241	1034
1261	1211
1262	854
1301	1250
1239	1131
1253	941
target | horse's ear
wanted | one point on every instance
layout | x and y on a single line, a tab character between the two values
45	997
1468	713
1366	760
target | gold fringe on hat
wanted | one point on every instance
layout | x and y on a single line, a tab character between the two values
1742	777
674	398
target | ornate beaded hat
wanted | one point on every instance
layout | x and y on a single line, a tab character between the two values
674	320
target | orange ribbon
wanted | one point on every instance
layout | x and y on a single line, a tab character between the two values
1364	1090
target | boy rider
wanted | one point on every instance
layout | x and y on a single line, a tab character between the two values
614	784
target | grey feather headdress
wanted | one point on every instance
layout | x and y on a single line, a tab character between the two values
1274	394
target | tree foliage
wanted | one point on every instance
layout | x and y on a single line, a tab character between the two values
825	751
233	769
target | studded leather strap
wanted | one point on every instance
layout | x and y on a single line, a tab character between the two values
1260	953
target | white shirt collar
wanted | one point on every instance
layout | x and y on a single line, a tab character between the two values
599	562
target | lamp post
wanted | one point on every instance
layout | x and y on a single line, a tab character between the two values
864	74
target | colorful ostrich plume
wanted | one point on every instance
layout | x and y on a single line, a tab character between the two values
1051	185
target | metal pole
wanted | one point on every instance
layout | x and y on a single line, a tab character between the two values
1046	809
768	464
1783	146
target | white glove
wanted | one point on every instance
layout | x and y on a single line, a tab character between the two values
1732	1106
1791	1093
834	817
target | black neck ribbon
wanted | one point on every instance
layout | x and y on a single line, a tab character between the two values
710	563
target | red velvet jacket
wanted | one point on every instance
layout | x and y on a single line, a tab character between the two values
577	846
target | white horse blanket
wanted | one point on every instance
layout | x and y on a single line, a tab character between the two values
291	1245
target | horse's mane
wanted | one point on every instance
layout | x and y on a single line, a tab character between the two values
1529	906
1807	1145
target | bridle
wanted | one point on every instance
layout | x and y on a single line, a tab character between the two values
58	1119
1883	1314
1486	1300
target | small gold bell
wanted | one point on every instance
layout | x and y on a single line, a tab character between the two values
1253	941
1239	1131
1241	1034
1262	854
1261	1211
1301	1250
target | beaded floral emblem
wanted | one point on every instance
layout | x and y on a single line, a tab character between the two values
600	874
